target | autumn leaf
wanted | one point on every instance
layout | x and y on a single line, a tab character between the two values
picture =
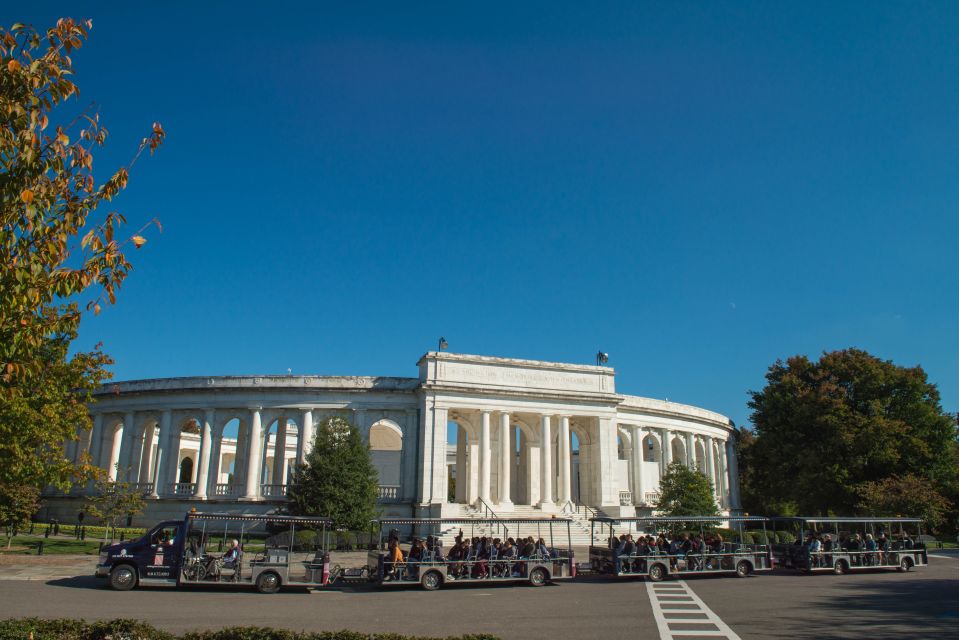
26	196
13	66
96	309
138	241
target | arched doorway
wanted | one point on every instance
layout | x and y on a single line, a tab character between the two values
386	451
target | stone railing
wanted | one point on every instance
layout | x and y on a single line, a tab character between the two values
651	498
388	492
225	490
273	490
625	498
146	488
183	488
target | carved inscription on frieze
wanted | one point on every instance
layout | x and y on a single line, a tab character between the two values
505	376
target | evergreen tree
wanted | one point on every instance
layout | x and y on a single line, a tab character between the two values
338	480
685	492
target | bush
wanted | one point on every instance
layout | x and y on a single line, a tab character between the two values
70	629
785	537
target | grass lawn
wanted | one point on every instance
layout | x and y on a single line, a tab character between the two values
51	545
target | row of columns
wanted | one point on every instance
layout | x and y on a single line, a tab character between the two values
126	448
562	470
712	461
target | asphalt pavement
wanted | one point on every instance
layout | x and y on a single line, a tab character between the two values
923	603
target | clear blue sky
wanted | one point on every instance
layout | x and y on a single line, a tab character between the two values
698	189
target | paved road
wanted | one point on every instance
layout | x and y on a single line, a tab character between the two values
921	604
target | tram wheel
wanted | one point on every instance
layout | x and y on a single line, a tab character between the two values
657	573
537	577
123	577
743	569
268	582
840	567
431	580
905	564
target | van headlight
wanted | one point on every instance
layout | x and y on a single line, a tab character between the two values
103	557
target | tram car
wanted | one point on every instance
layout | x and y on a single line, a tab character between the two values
843	545
658	547
435	552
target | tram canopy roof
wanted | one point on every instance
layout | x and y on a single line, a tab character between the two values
837	520
473	520
259	518
677	519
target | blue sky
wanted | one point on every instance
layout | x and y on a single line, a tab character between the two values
698	189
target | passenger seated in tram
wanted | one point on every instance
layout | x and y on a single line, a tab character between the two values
509	554
883	544
394	559
871	549
416	555
903	542
543	550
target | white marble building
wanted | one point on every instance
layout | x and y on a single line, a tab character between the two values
530	436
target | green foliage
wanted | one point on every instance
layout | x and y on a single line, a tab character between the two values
338	480
17	504
685	492
48	197
908	496
72	629
113	502
824	428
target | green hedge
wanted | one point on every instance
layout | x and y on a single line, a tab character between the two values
93	531
71	629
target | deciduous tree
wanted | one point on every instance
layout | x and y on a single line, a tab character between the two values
61	251
908	495
824	428
17	504
685	492
114	501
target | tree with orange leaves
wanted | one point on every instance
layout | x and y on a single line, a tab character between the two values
61	253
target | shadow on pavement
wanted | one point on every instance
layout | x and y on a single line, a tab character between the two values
886	610
79	582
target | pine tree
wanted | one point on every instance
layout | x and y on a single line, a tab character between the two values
338	480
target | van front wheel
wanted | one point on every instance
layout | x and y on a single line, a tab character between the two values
123	577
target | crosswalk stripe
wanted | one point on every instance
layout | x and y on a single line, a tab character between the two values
675	603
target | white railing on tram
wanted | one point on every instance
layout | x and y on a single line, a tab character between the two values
273	490
388	492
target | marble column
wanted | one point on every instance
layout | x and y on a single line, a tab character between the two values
96	439
507	447
304	441
638	489
565	486
254	457
203	458
127	447
279	453
462	477
160	478
116	443
216	457
485	457
546	464
710	473
690	450
667	448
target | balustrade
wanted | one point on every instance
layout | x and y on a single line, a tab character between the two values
388	492
183	488
225	490
273	490
652	497
625	498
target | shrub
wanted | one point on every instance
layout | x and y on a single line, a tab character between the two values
71	629
785	537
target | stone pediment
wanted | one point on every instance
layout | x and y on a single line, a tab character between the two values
485	372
